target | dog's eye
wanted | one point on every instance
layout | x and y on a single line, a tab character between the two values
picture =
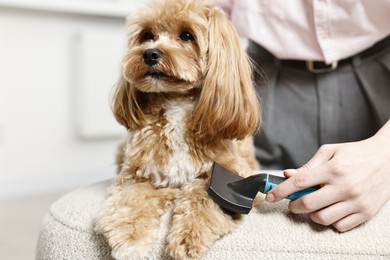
186	36
148	36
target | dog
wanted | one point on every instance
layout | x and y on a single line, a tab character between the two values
187	99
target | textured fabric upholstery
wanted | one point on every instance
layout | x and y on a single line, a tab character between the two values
268	232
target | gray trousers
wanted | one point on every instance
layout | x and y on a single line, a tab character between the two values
302	110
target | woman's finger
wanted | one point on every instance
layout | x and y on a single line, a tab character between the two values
324	154
350	222
311	174
302	180
324	197
333	213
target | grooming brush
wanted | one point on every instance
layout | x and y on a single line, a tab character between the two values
235	194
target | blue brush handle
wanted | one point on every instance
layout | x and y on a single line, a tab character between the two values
272	181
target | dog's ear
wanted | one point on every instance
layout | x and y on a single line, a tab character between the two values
127	101
127	105
227	106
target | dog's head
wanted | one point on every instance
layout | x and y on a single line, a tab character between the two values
188	46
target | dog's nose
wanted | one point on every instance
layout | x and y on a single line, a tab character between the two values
152	56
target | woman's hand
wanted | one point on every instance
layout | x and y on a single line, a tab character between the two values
355	180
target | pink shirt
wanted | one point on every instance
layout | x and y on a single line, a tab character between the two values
321	30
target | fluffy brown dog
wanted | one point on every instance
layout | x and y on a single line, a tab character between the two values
187	100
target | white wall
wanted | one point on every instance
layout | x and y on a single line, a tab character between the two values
56	71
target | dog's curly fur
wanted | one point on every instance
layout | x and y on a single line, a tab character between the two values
187	99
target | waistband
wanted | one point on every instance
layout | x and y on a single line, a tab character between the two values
317	66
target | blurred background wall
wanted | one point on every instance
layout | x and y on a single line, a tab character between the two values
58	63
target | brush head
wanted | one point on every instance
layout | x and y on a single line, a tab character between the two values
232	192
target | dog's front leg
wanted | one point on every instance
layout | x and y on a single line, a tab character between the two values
197	222
130	218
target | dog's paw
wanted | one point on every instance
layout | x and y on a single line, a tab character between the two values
127	243
186	245
131	252
131	240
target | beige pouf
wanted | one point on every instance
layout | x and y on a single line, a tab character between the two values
268	232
